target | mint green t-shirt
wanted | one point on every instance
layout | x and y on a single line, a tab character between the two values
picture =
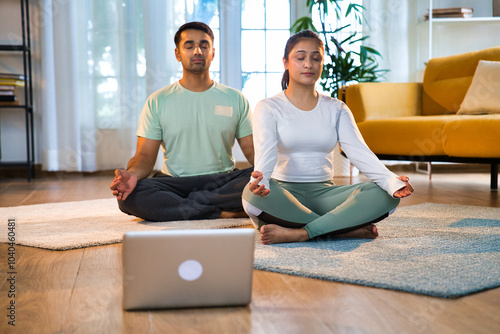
197	129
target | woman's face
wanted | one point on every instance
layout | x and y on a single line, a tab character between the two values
305	62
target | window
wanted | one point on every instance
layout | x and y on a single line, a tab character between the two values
116	49
265	28
352	25
116	55
113	28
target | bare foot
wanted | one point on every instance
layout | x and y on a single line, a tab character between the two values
233	214
275	234
365	232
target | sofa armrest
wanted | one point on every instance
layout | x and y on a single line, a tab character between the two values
378	100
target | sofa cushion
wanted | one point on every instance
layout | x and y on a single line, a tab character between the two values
383	100
447	79
414	136
483	96
472	136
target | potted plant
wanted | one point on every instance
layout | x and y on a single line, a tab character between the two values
341	67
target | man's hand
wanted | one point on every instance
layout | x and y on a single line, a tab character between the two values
140	166
254	186
123	184
406	190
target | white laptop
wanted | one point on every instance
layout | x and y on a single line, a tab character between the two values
187	268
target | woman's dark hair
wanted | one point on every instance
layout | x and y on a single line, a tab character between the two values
292	41
193	25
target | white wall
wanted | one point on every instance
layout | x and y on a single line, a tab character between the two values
460	36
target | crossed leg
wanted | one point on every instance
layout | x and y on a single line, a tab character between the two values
277	232
298	212
185	198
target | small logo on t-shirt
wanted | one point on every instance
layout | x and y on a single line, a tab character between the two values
224	111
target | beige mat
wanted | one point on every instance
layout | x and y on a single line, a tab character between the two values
68	225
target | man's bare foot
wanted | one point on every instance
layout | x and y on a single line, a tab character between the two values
365	232
233	214
275	234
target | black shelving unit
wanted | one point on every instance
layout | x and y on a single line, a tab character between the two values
24	49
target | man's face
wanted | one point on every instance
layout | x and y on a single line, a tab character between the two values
195	51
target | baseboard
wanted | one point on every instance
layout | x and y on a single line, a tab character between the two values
443	167
437	167
8	172
15	172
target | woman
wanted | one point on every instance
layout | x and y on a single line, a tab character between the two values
291	196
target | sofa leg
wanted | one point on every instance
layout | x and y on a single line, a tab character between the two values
494	177
427	171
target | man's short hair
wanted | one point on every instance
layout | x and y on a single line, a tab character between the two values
193	25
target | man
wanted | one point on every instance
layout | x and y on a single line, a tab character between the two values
195	120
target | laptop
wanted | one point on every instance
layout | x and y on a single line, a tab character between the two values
187	268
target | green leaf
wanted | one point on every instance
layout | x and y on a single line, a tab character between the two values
348	38
339	29
359	39
304	23
356	10
370	50
323	3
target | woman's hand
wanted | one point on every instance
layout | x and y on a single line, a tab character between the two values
406	190
259	190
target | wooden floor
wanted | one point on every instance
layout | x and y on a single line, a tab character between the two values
80	291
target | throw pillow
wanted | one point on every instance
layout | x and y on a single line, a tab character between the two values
483	96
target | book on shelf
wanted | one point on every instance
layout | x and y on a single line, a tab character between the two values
12	79
7	103
451	12
6	92
7	88
11	76
12	82
7	98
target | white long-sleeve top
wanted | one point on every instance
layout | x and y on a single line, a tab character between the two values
294	145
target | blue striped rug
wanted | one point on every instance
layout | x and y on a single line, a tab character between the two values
430	249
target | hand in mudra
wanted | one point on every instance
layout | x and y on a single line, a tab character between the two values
259	190
406	190
123	184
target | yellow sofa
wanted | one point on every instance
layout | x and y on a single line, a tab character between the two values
419	121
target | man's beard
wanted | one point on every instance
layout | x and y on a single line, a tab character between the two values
198	66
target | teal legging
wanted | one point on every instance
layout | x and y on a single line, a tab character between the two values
323	207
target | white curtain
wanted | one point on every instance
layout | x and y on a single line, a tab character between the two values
95	82
390	27
61	144
95	79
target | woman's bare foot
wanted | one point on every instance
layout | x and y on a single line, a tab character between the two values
275	234
365	232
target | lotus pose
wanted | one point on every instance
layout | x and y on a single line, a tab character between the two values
291	196
195	120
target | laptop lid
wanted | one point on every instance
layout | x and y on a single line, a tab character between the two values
187	268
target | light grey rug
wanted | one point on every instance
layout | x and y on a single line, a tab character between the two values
68	225
431	249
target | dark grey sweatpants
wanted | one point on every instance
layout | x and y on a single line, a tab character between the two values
166	198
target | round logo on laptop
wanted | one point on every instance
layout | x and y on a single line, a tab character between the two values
190	270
